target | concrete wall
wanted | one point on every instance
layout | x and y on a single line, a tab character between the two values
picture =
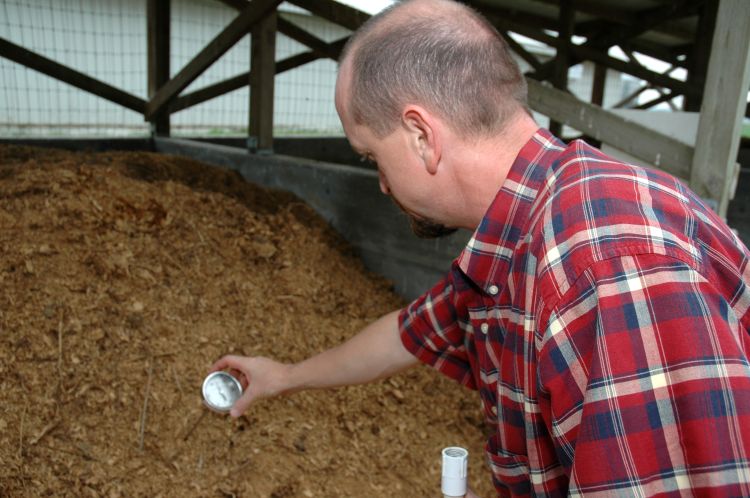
327	149
349	198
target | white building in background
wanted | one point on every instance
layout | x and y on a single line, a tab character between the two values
107	40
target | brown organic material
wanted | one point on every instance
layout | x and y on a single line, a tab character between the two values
125	275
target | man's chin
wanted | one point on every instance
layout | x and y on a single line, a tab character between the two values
424	228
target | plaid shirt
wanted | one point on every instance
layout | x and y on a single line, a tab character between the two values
601	310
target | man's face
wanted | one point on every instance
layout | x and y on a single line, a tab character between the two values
401	173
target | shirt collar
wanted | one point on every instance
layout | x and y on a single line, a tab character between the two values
486	258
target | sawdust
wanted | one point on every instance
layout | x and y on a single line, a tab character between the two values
125	275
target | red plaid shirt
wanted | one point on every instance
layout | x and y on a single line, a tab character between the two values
601	310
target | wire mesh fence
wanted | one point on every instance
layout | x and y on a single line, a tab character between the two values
107	41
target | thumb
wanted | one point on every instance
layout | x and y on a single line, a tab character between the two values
242	404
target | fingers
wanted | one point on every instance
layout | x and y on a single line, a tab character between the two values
241	405
239	367
228	361
260	378
240	376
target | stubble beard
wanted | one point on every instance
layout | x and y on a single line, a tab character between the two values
425	228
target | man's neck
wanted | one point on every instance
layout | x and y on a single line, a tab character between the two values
482	166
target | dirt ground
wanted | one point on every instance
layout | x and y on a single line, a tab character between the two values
125	275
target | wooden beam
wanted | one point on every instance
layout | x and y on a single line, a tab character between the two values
714	172
334	12
217	47
46	66
157	27
261	77
644	143
562	57
241	80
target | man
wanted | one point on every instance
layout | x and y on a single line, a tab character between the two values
600	309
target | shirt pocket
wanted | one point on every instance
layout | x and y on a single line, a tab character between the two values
486	369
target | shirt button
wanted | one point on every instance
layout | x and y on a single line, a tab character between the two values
493	290
484	327
494	410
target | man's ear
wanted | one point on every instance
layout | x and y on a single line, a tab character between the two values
425	135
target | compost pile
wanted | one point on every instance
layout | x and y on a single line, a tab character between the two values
125	275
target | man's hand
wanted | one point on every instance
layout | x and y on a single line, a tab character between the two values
260	378
375	353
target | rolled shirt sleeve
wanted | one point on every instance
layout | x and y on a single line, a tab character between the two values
432	331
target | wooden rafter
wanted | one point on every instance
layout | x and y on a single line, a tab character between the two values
600	56
602	11
611	33
670	55
663	97
55	70
521	51
217	47
294	32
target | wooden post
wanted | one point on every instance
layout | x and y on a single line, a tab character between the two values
700	53
262	72
158	19
560	76
217	47
600	81
714	169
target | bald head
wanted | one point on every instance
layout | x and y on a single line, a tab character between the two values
436	53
